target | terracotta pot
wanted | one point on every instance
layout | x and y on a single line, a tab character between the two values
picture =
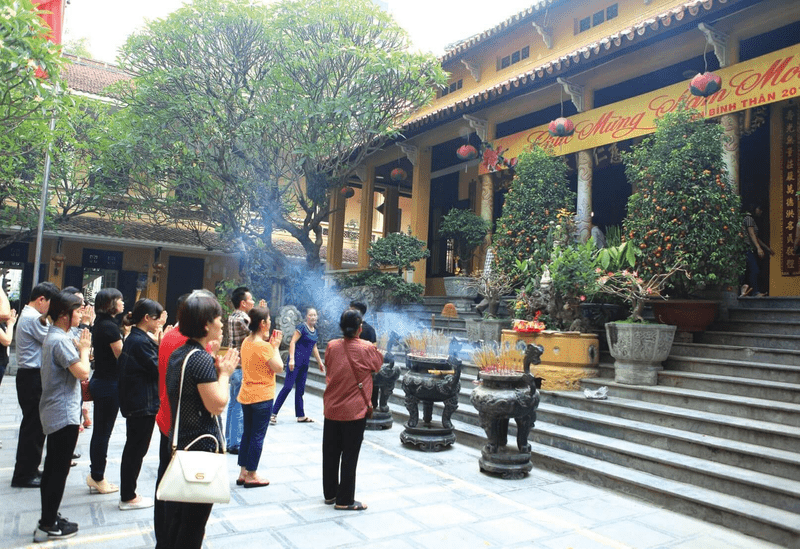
689	315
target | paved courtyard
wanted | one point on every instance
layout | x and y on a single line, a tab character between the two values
416	500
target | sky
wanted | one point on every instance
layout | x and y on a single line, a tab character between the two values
432	24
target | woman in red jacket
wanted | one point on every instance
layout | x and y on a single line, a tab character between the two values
350	364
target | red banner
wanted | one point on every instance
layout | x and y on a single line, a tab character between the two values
54	19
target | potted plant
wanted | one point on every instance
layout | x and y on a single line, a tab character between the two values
638	347
493	285
548	309
468	231
684	205
399	251
539	190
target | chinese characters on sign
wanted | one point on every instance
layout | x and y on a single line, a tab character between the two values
790	263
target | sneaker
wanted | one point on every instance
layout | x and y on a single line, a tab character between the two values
140	502
62	529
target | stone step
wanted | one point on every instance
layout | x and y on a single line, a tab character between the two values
755	362
769	302
750	339
778	526
770	461
735	386
742	314
735	406
751	431
758	326
758	487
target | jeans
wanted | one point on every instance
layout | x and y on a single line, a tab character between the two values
31	436
256	421
60	446
233	421
137	442
294	378
341	443
106	408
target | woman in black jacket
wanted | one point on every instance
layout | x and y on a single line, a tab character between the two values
138	395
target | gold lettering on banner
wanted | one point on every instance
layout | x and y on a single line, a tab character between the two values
766	79
790	265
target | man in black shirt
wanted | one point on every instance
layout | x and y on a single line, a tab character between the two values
367	331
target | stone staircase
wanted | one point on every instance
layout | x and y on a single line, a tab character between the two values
718	438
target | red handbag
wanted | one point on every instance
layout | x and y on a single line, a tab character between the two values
86	394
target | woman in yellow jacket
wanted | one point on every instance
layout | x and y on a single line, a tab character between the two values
260	362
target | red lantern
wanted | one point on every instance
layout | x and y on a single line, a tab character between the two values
561	127
467	152
398	174
705	84
347	192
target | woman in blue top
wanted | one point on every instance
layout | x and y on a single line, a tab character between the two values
304	342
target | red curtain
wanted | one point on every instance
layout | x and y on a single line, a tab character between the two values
54	19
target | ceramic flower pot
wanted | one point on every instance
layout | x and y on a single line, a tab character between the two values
639	350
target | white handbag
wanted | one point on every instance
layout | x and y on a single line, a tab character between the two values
195	476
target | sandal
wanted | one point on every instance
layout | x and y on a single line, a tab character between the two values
330	501
355	506
305	419
745	290
258	483
273	420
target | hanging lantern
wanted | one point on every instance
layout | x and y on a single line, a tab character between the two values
705	84
561	127
398	174
467	152
347	192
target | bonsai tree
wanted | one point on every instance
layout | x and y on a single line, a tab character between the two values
538	191
396	250
468	230
684	209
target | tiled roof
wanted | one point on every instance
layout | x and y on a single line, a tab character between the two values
88	76
556	66
463	45
172	237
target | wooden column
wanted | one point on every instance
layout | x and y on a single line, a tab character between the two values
365	222
335	231
420	205
391	204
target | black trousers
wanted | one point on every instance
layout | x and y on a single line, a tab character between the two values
163	511
106	408
31	437
60	446
341	444
137	442
187	527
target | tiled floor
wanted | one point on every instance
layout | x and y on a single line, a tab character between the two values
416	500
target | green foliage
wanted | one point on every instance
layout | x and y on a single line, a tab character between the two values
398	290
467	229
78	184
397	250
537	193
253	113
572	272
27	103
684	208
616	257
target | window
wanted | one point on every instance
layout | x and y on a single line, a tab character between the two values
514	58
597	18
457	85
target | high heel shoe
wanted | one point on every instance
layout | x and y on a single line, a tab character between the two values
102	487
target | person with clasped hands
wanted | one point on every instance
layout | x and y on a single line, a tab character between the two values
65	361
204	396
